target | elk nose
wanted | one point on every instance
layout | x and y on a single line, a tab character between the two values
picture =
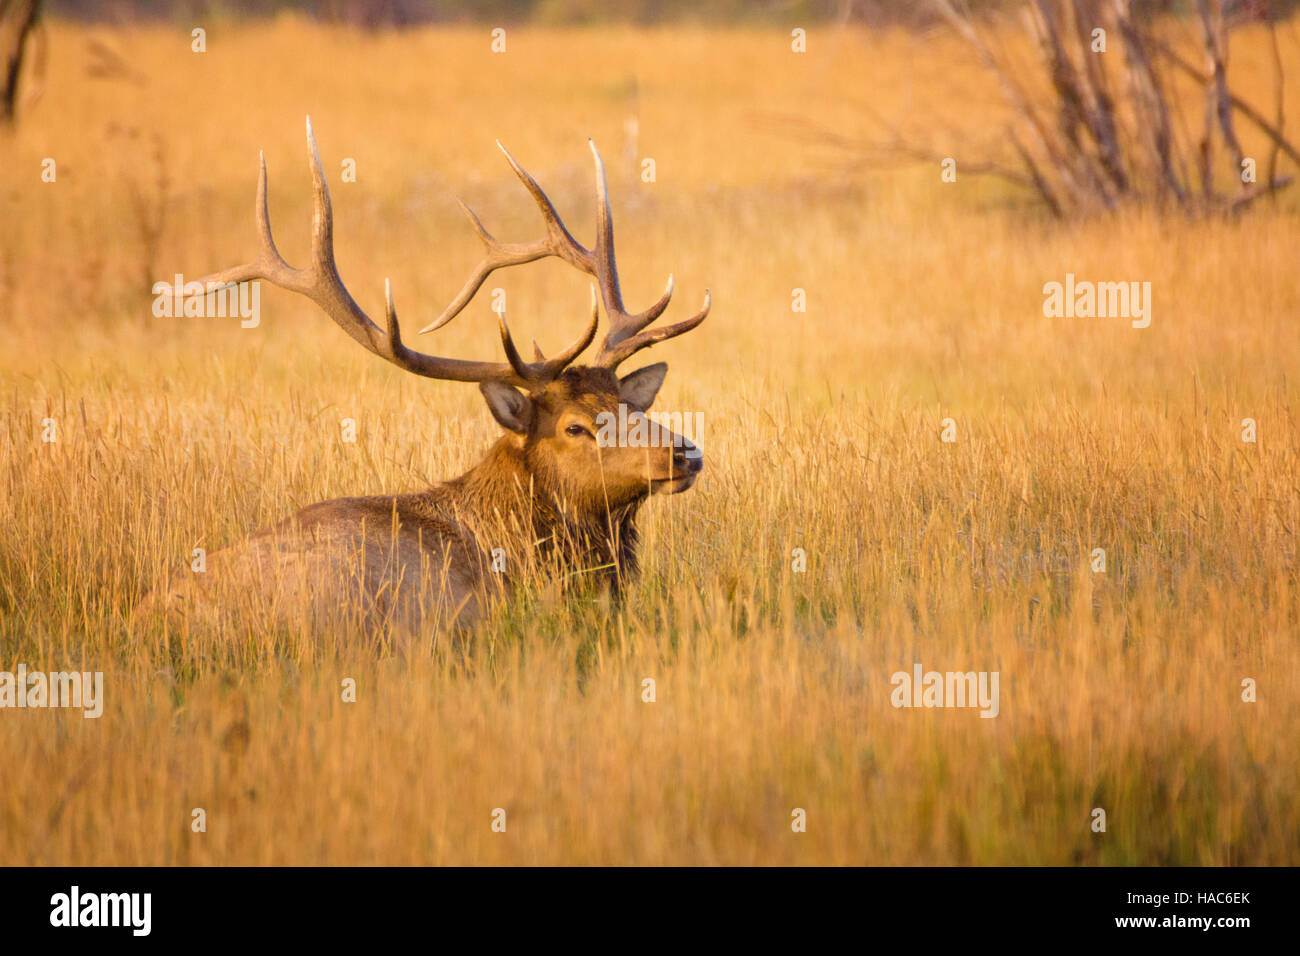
687	458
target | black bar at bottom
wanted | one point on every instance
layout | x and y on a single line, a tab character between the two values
330	906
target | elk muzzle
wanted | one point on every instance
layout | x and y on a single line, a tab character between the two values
686	463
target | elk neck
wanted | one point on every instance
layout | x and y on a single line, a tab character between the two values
507	487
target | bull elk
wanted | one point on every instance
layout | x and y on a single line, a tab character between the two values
546	493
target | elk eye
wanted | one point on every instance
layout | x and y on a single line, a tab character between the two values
576	430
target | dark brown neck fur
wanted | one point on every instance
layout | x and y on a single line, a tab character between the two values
507	494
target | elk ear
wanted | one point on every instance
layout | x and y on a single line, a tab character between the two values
638	389
510	407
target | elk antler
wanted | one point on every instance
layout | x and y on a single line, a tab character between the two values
320	282
625	335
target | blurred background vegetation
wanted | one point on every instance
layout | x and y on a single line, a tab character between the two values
399	13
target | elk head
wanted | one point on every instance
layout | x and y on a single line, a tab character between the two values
552	410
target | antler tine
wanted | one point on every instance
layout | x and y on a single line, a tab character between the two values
539	373
613	357
622	323
625	335
268	264
320	282
558	241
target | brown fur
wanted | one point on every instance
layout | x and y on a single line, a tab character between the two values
556	504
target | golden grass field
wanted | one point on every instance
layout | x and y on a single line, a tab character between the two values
1119	690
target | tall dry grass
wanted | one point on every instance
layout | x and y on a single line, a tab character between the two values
1119	690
